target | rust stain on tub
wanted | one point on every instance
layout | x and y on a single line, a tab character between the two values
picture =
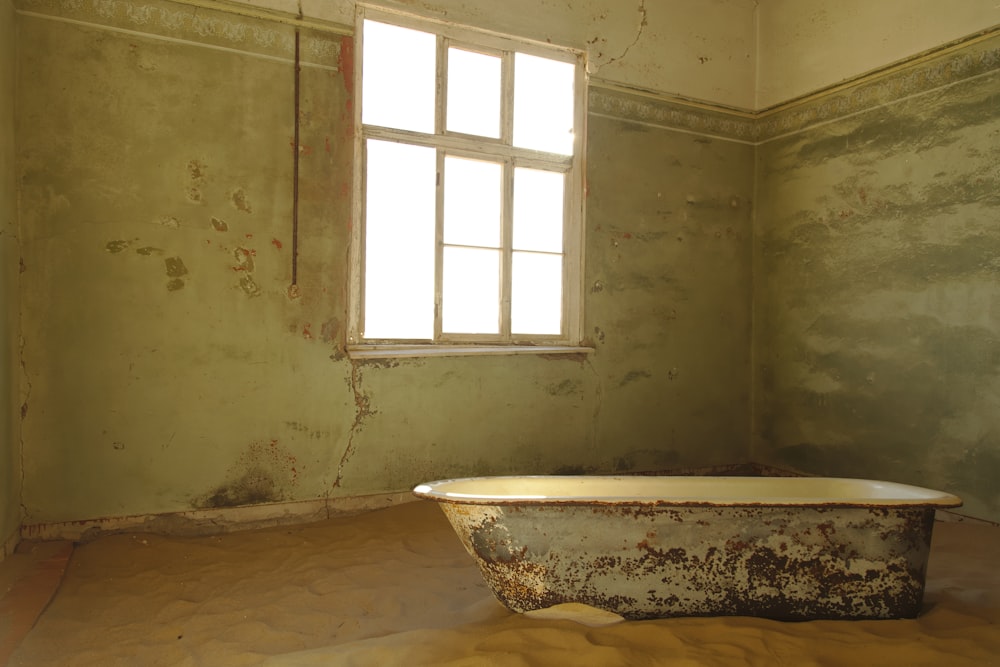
658	558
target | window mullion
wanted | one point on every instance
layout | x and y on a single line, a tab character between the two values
441	87
507	203
439	245
506	240
507	99
441	92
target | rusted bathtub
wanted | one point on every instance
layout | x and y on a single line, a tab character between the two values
787	548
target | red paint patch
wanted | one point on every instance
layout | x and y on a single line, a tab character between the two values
249	236
627	235
345	63
306	333
276	243
327	140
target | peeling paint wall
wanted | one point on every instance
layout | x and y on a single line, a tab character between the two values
172	368
10	445
806	45
702	49
877	293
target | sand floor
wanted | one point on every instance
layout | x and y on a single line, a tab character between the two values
395	587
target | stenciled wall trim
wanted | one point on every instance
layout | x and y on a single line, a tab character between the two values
203	24
948	65
964	60
609	100
270	34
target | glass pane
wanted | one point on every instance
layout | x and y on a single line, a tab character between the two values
538	210
473	93
470	293
543	104
399	240
536	294
398	72
472	195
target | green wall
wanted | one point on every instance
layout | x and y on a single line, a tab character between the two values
10	445
170	369
830	268
877	300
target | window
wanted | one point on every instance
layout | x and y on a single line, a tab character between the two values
469	187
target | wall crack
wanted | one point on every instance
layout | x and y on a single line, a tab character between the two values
362	410
25	395
643	22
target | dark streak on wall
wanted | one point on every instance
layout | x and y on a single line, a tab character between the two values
878	295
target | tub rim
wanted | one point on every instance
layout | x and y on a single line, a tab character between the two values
920	497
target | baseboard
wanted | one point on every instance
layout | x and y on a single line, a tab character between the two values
215	521
8	546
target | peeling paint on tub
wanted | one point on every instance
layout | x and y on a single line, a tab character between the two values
789	563
219	225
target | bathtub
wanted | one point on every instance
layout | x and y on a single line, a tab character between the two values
789	548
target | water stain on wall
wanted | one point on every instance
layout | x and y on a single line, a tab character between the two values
264	473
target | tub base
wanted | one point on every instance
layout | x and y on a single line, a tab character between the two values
643	561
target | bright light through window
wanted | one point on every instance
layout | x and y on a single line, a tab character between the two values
543	104
398	92
399	241
469	218
473	93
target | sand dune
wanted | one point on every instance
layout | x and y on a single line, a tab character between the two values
395	587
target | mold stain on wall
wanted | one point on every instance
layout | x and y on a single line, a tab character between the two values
265	472
879	308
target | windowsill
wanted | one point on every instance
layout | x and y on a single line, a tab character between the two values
397	351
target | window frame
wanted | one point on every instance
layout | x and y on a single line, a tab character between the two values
475	147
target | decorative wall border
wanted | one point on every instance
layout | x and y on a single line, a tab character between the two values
671	113
921	74
271	34
223	28
964	60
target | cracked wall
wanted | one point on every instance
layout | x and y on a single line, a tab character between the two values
172	367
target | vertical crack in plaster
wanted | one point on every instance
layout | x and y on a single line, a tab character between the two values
363	410
643	22
25	395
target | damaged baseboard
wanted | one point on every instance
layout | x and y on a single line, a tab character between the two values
9	545
215	521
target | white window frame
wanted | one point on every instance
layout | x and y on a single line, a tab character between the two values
462	145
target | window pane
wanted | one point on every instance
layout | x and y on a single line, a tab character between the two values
472	195
399	240
538	210
473	93
536	293
470	291
543	104
399	77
